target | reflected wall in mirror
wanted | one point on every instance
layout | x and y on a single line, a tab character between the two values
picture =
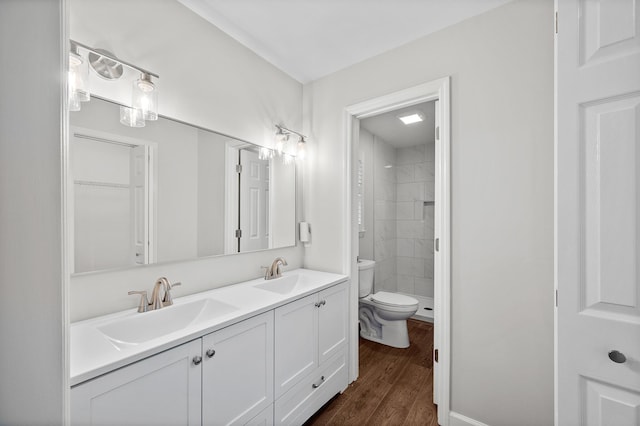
170	191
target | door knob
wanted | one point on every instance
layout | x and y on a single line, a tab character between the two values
197	360
617	357
211	353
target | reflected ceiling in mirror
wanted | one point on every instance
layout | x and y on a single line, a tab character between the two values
170	191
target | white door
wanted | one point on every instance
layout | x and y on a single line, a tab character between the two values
254	198
140	203
598	212
237	371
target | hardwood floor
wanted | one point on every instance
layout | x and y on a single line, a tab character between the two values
395	386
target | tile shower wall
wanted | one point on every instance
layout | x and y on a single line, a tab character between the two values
399	233
384	184
414	220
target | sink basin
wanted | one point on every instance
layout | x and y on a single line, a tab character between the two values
139	328
284	285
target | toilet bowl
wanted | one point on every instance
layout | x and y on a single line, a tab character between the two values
383	315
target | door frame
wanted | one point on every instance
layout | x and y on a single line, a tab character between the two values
440	90
116	139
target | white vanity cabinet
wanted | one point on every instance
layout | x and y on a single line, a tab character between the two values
277	367
310	353
225	377
237	372
164	389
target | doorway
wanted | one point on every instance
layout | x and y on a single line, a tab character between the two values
433	91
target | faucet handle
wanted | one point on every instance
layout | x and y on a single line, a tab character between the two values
266	272
167	300
144	301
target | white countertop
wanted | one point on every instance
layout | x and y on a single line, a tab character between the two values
94	354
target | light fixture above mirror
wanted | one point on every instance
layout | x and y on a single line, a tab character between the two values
144	93
282	137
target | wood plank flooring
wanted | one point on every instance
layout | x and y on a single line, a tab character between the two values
394	387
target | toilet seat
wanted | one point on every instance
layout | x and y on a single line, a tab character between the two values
385	298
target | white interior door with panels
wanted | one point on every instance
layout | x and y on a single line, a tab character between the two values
254	199
598	212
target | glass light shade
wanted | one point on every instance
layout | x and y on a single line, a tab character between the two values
74	102
145	97
301	151
131	117
265	154
287	159
79	77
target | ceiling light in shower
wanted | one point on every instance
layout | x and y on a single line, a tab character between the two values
410	118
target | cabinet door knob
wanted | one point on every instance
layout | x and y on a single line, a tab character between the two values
317	385
617	357
211	352
197	360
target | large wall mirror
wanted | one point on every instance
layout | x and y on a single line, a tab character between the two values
170	191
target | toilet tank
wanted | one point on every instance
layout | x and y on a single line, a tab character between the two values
365	269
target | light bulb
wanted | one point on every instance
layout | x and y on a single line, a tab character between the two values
144	96
301	151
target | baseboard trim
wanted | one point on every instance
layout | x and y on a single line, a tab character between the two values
457	419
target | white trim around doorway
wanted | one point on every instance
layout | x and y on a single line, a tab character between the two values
433	90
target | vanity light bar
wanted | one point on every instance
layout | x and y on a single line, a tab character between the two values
114	58
282	129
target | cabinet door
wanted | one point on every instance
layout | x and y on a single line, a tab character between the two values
332	324
296	343
161	390
237	380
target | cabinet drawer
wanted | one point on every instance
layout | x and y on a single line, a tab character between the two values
306	397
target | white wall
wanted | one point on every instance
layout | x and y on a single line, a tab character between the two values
32	296
211	193
501	68
207	79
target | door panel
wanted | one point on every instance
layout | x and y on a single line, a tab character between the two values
296	344
254	196
597	208
237	379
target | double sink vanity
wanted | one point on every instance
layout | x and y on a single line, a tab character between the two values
259	352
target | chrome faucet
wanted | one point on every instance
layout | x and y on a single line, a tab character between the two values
156	301
274	270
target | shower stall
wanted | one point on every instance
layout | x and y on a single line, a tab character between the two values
396	213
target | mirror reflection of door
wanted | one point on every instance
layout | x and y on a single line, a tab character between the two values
110	202
253	208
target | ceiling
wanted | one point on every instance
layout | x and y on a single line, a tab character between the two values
389	128
309	39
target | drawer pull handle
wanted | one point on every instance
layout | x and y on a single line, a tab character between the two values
320	303
211	353
197	360
317	385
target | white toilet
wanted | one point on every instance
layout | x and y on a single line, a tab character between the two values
383	315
